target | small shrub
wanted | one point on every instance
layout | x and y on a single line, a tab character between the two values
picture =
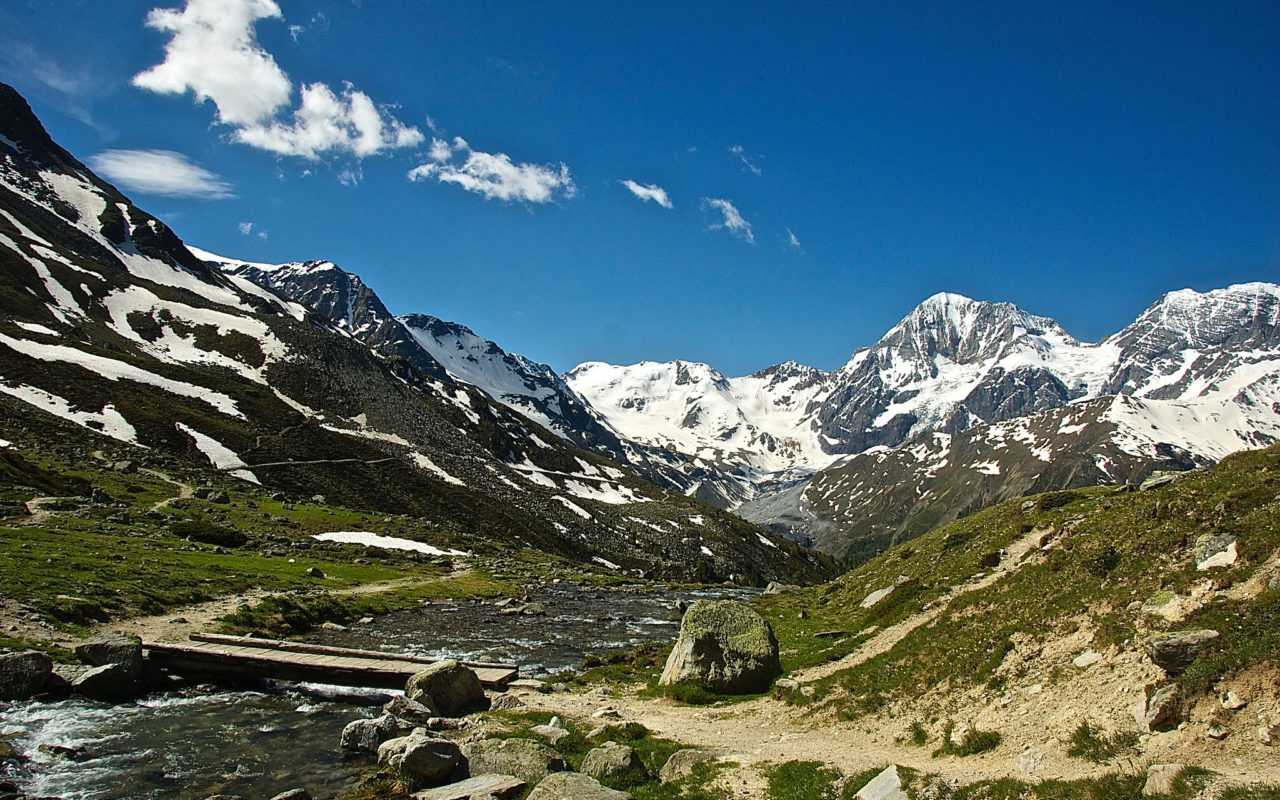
919	736
975	741
801	780
1089	743
693	693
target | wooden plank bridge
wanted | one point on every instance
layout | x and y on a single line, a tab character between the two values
248	657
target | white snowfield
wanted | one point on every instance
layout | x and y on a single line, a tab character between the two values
107	421
219	455
114	370
369	539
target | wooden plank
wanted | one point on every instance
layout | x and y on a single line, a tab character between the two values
307	647
369	669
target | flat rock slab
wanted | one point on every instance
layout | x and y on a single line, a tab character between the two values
496	785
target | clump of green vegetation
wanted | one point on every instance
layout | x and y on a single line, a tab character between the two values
690	692
1091	744
975	741
801	780
917	734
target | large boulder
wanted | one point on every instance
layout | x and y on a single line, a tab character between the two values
574	786
108	682
113	648
526	759
1174	652
419	759
23	674
725	645
367	735
615	763
453	689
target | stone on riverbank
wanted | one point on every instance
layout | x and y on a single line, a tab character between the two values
23	674
574	786
113	648
107	682
453	688
413	713
526	759
418	759
726	645
499	786
367	735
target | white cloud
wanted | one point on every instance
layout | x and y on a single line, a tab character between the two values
325	122
738	151
792	241
733	221
215	54
648	192
247	228
161	172
494	175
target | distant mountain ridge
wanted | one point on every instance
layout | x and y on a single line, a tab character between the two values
774	445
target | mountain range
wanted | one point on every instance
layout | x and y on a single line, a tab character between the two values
116	338
113	325
961	404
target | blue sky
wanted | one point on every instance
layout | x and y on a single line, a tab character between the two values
801	174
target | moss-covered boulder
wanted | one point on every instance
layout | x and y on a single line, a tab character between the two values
526	759
726	646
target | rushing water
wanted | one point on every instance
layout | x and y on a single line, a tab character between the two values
195	743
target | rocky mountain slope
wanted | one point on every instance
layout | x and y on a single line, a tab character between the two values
961	404
113	328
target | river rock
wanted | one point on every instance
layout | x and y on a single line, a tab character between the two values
682	763
481	786
614	761
419	759
113	648
414	713
293	794
23	674
1174	652
454	689
885	786
366	735
726	645
526	759
574	786
107	682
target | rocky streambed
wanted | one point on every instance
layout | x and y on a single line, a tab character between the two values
203	740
